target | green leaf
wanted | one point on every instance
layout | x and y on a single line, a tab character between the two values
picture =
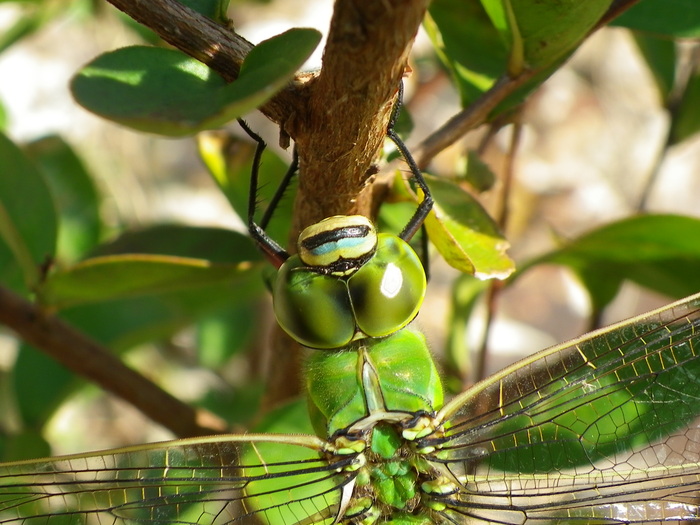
223	334
468	44
686	122
660	56
477	173
27	216
464	234
76	195
672	18
482	40
164	91
229	161
27	444
155	311
126	322
41	384
544	31
216	245
117	276
659	252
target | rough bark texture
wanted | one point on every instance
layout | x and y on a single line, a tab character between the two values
350	103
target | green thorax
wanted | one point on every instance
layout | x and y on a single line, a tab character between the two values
372	380
389	486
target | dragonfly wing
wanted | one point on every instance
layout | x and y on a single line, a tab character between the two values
605	429
225	479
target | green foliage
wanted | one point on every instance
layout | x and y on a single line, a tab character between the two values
166	92
670	18
29	239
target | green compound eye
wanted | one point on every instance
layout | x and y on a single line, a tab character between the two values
388	290
312	307
369	284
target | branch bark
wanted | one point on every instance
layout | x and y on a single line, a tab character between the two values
91	360
350	103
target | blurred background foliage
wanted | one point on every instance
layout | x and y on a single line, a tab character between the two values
602	218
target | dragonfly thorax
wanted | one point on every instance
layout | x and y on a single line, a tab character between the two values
347	282
394	482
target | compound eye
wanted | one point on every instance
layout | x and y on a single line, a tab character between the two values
313	308
387	292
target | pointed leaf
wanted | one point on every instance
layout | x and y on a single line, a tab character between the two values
468	43
464	234
117	276
659	252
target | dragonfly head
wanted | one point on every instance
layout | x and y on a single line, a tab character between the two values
338	245
347	282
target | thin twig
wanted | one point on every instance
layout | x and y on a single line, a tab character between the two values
91	360
467	119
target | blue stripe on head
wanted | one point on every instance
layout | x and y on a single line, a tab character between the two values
339	245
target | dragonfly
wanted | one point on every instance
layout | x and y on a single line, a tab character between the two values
604	429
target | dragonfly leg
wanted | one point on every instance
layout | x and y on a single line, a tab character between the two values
272	250
427	203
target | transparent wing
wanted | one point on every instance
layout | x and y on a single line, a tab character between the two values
226	479
605	429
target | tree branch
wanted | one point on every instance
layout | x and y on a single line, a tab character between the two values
89	359
350	103
468	119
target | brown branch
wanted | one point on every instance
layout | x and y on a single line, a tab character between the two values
350	103
89	359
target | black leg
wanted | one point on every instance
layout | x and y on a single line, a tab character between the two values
281	189
272	250
427	203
